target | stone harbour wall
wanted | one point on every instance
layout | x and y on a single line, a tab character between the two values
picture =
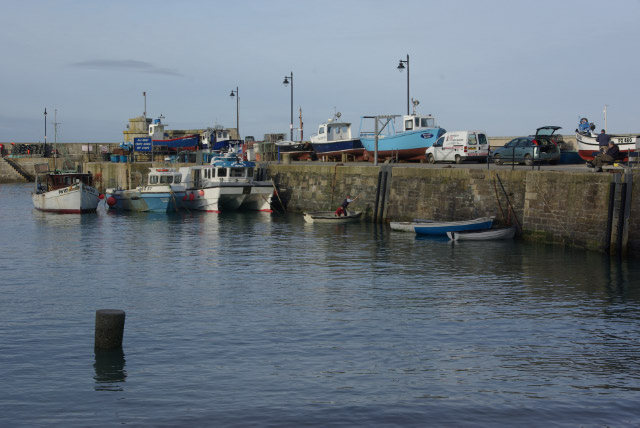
553	207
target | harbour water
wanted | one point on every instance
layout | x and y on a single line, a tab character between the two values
262	320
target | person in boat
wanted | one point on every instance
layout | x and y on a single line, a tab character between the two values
603	140
583	127
608	156
342	209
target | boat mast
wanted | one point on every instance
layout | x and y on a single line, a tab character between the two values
55	137
301	126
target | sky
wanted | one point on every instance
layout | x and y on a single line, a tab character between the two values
504	67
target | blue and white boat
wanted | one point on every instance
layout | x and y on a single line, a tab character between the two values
426	227
163	193
417	133
334	138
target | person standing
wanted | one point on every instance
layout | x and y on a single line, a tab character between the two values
603	140
342	209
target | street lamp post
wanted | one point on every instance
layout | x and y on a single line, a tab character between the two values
237	95
286	81
401	67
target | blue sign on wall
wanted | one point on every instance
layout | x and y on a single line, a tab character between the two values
142	144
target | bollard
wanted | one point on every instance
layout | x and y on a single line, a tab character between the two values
109	329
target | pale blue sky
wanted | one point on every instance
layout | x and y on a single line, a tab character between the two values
506	67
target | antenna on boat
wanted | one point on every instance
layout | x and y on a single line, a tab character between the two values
415	104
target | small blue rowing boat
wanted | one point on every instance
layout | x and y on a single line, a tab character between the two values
442	227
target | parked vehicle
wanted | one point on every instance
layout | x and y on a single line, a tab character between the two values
542	147
459	146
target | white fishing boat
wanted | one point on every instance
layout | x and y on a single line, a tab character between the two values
226	184
64	192
331	217
588	147
484	235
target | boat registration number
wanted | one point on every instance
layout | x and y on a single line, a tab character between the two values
624	140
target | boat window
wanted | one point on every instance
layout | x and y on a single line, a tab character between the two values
471	139
177	179
237	172
427	122
166	179
408	124
321	130
67	180
222	172
482	139
153	179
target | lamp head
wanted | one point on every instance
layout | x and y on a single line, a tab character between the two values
286	81
401	67
232	94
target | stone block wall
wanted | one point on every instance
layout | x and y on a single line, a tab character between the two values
553	207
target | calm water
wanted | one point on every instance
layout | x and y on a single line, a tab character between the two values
258	320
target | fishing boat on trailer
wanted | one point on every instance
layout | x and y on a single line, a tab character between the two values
588	147
64	192
334	139
484	235
417	133
159	138
331	217
162	193
226	184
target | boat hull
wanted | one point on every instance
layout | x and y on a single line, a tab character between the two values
484	235
78	198
330	217
588	147
442	227
406	146
335	148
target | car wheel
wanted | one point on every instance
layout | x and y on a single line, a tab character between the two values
431	159
528	161
497	159
458	159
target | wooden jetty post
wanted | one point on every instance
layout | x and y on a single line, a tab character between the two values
109	329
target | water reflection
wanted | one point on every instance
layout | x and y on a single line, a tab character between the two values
110	372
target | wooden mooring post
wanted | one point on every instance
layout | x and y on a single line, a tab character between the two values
109	329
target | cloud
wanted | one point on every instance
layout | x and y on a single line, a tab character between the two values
126	65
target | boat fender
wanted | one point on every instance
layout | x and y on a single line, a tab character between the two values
101	196
191	196
201	192
111	201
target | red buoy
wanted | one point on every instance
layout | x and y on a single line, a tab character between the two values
201	192
101	196
111	201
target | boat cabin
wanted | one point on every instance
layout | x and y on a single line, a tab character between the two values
163	177
333	131
55	181
417	122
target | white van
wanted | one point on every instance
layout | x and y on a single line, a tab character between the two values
458	147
